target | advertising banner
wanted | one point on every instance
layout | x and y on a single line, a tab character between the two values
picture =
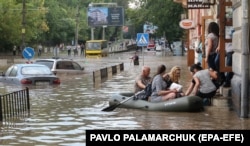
100	16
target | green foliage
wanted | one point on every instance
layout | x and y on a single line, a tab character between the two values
12	22
54	21
164	14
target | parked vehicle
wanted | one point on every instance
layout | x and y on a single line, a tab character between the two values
158	47
151	47
61	65
29	74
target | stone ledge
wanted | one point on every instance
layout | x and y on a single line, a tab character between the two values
223	98
220	101
217	109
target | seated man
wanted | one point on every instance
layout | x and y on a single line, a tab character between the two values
143	79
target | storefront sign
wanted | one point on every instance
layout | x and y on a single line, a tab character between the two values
187	24
199	4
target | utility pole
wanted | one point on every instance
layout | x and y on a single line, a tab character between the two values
103	31
77	24
92	33
23	24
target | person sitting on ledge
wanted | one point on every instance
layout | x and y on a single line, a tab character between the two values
202	83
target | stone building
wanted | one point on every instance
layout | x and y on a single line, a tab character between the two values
232	16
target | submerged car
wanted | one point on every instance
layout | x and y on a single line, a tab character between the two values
29	74
61	65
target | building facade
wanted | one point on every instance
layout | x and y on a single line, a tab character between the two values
233	19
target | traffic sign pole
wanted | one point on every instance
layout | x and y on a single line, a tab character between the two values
142	40
143	55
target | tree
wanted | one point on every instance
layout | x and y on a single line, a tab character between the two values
11	26
164	14
54	21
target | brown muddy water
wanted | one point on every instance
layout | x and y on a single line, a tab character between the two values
60	115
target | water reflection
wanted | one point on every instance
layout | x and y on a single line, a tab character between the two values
60	115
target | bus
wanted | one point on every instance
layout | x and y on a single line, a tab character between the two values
97	48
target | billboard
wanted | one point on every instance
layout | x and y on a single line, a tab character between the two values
109	16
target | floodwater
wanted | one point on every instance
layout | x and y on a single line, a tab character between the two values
61	115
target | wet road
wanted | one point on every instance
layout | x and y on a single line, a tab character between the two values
60	115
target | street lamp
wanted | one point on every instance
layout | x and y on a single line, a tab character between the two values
77	23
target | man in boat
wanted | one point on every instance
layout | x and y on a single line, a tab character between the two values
142	84
143	79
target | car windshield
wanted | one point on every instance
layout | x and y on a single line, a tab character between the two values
35	70
68	65
47	63
94	45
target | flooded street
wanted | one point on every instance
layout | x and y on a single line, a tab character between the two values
60	115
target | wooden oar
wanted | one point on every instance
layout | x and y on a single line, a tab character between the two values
112	107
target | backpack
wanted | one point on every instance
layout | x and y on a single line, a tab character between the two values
144	94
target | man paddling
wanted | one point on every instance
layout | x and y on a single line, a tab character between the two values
143	79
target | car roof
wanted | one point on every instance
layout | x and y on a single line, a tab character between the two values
25	64
60	59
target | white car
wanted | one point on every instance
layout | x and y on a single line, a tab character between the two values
151	47
158	47
61	65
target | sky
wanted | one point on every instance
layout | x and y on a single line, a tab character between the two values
133	5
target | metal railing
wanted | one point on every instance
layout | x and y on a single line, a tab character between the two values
14	104
103	74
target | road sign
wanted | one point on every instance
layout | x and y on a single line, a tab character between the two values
28	53
142	39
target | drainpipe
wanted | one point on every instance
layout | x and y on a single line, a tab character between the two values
245	61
